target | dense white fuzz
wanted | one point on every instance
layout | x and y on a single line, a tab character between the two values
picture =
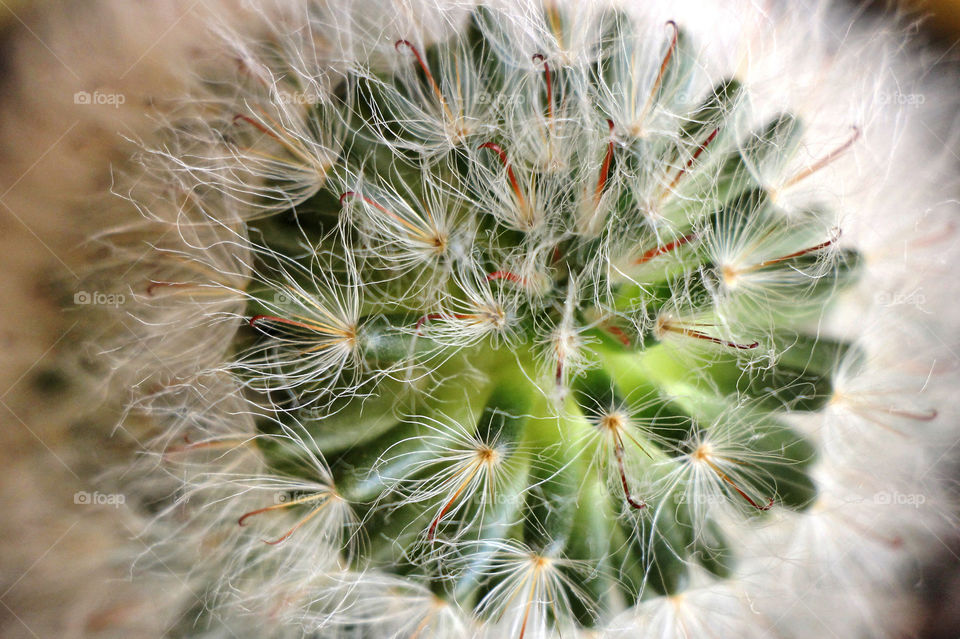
531	596
484	310
639	60
622	450
452	110
757	264
314	327
567	32
263	146
705	609
183	267
405	233
341	603
718	469
454	471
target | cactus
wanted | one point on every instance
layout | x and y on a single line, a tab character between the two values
525	318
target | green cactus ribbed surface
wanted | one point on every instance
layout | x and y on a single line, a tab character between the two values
516	317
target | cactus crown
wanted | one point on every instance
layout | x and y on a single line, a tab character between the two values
523	324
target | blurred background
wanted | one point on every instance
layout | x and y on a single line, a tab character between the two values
63	559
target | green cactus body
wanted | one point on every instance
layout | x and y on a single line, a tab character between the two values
541	321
